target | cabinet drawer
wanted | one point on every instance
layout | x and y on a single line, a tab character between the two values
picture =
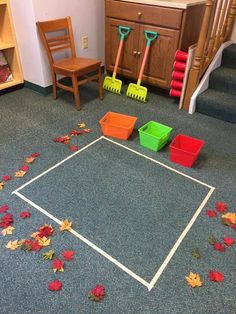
142	13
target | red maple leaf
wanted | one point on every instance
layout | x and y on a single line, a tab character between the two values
229	241
57	264
3	208
45	231
74	148
233	226
6	220
97	294
221	207
219	247
216	276
6	178
36	246
211	213
25	214
68	255
24	168
35	155
55	285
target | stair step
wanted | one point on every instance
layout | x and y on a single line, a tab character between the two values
217	104
229	57
223	79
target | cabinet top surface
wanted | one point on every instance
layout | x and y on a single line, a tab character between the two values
180	4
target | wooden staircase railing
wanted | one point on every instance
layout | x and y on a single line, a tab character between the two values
217	26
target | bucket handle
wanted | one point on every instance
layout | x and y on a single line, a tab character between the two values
124	31
150	36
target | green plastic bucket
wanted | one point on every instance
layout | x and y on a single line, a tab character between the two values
154	135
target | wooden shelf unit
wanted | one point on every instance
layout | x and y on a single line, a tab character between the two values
8	45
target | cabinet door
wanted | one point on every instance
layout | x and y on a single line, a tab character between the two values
159	65
128	59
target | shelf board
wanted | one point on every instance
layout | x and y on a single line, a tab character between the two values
6	46
10	84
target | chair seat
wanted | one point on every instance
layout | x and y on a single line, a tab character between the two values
76	64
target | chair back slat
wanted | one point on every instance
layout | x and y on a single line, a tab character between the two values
53	42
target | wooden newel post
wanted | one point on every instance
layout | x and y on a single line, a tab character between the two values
194	72
230	21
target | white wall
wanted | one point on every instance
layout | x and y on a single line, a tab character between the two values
87	19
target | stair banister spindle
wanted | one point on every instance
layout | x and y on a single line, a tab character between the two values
230	20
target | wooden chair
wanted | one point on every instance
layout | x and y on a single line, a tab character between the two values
80	70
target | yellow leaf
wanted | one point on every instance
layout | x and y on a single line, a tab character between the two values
20	174
44	241
1	185
29	160
194	280
49	255
81	125
8	230
65	225
13	245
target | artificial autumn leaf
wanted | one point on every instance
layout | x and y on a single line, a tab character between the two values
30	245
35	235
196	253
211	213
29	160
229	241
81	125
58	265
6	178
25	215
65	225
55	285
49	255
24	168
221	207
7	230
4	208
6	220
87	130
216	276
20	174
62	139
13	245
194	280
35	155
212	240
75	132
1	185
219	247
44	241
45	231
97	294
74	148
231	217
68	255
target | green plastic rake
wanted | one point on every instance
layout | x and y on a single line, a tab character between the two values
111	83
137	91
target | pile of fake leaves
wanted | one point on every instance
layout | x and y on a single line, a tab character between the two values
68	138
21	172
40	240
229	220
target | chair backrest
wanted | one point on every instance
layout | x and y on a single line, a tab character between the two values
52	42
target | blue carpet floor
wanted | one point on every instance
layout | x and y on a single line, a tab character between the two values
90	187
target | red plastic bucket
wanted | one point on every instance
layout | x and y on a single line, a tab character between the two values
175	93
184	150
179	66
176	84
176	75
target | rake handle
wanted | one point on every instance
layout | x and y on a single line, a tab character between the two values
143	63
118	55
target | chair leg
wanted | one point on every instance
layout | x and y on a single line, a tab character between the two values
100	83
76	91
54	86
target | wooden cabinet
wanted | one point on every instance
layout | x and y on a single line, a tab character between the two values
172	26
8	45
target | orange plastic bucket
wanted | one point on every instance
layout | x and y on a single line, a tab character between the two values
117	125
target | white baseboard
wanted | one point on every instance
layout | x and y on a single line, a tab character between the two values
204	83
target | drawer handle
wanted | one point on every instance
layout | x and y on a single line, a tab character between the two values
140	14
135	52
138	53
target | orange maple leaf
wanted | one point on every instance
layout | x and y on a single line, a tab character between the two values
1	185
29	160
65	225
20	174
194	280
